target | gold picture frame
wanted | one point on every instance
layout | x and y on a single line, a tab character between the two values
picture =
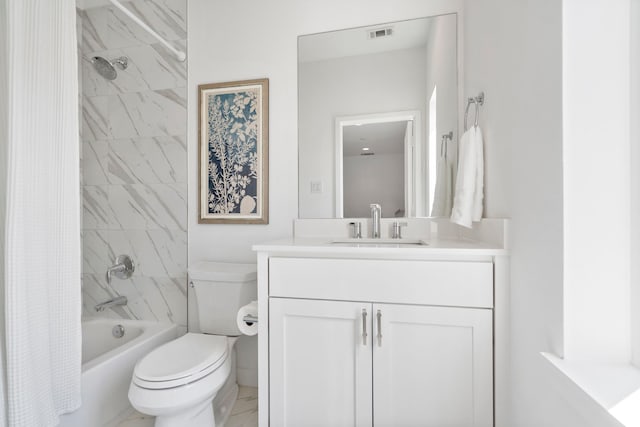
233	135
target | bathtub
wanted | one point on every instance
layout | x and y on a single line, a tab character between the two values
107	365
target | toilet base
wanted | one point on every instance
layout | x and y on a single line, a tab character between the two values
209	414
223	404
202	416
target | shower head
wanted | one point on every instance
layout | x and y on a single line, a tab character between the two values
107	68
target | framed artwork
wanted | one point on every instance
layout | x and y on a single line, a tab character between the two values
234	152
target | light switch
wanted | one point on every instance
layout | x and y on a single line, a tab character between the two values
316	187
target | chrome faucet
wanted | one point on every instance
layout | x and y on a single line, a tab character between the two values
356	229
376	212
397	229
120	300
122	269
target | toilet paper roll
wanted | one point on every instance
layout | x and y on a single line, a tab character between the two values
252	310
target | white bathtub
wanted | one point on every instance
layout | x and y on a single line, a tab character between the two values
107	365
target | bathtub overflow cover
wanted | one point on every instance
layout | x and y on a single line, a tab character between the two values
118	331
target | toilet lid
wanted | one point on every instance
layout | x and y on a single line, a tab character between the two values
181	361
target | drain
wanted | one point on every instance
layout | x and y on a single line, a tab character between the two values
118	331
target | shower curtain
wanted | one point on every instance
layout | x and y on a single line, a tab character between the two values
41	342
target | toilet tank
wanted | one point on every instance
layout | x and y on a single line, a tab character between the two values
220	290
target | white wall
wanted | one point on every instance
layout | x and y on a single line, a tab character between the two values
3	143
328	91
245	39
251	38
373	178
3	185
635	179
513	52
596	115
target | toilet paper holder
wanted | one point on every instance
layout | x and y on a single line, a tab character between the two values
250	319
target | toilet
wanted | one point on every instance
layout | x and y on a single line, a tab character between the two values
191	381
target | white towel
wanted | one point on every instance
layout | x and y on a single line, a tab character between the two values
443	198
467	202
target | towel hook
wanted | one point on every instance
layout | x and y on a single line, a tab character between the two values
478	101
443	145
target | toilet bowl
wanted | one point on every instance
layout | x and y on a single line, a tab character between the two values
191	381
180	393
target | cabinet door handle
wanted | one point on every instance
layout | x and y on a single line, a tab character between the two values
379	316
364	326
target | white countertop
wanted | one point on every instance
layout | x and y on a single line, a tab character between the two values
435	247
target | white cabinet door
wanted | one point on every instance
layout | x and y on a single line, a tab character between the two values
433	366
320	367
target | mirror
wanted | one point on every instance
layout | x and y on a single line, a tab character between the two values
374	106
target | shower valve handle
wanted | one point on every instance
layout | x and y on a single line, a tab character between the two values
122	269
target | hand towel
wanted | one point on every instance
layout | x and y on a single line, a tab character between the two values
478	194
443	197
469	192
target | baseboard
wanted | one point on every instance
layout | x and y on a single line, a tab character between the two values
248	377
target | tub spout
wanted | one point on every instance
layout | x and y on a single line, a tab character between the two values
120	300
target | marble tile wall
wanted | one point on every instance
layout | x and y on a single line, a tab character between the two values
134	160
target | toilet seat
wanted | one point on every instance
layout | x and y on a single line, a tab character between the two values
192	357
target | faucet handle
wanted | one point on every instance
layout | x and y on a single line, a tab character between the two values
356	229
397	229
122	269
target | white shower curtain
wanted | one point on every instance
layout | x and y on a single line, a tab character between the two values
41	292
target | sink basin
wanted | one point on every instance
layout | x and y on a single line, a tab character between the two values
380	243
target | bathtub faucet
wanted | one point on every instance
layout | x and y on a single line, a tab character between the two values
121	300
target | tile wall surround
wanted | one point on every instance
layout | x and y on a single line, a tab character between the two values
134	160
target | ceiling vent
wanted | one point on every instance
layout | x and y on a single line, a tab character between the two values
367	153
380	32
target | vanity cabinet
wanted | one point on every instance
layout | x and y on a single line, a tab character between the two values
362	342
320	373
337	363
433	366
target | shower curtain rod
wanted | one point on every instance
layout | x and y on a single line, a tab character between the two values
180	56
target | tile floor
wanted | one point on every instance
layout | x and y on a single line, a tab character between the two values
243	414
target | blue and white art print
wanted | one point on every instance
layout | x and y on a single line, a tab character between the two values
234	152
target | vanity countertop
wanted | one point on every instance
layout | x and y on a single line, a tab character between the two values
435	247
